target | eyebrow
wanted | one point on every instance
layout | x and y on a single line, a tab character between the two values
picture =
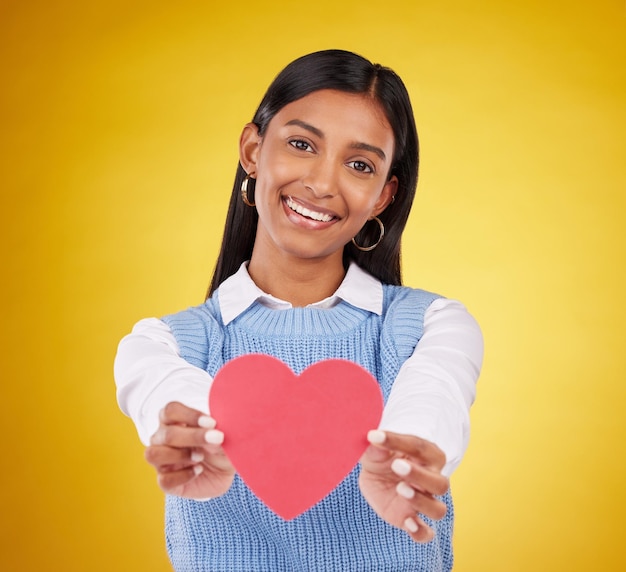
356	145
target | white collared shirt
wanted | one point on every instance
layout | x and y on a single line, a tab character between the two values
430	398
358	288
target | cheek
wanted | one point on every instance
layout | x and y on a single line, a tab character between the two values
275	175
363	200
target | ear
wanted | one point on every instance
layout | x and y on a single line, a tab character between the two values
386	196
249	144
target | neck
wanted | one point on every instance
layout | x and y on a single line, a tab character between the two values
301	281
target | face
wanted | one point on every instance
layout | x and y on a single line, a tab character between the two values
321	173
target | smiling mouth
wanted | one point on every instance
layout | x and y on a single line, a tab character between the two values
308	213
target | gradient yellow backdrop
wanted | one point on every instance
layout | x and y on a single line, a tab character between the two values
118	137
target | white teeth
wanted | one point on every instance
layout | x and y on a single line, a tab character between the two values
306	212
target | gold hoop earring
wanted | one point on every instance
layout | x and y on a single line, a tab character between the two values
382	233
244	189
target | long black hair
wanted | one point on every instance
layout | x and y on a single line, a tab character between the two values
343	71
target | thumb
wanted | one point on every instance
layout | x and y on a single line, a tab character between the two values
376	452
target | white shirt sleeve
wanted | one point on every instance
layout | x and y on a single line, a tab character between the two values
436	386
150	373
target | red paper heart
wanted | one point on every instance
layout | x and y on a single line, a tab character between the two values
291	438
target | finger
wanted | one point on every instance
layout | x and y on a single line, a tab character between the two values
173	479
422	503
421	450
418	530
183	436
170	458
376	456
421	478
175	413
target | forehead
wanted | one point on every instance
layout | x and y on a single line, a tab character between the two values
357	116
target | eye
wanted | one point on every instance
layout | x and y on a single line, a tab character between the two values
361	166
301	145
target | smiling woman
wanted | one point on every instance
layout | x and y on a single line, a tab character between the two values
302	278
347	74
322	170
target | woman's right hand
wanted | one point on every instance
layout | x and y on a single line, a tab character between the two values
187	453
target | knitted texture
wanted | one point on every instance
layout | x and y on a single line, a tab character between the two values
236	532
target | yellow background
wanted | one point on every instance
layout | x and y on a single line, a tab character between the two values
119	125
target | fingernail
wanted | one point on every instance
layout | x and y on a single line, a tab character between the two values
157	438
401	467
214	437
411	525
197	457
197	469
405	490
376	436
207	422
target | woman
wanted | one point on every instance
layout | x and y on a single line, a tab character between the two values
309	270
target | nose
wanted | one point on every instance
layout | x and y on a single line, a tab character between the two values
322	178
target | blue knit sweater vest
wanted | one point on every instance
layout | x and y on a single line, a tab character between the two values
236	532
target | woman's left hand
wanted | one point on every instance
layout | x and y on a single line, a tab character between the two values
400	476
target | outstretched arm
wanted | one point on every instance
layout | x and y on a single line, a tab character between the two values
167	398
436	386
150	373
425	427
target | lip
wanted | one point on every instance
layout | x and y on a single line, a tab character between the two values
291	203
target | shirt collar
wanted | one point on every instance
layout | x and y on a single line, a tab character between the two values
238	292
